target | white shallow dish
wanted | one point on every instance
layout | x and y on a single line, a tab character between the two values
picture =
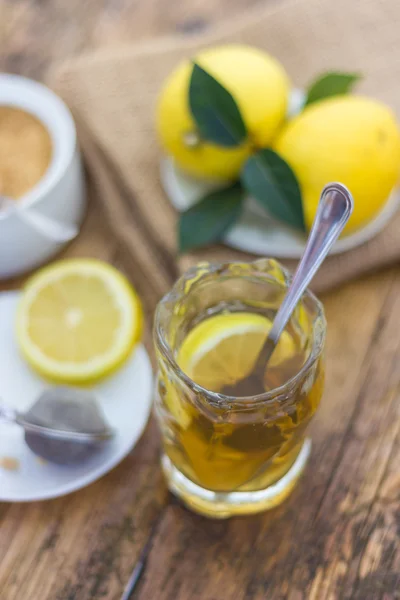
255	232
60	194
125	399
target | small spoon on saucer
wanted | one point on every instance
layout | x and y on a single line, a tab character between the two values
46	226
334	209
64	425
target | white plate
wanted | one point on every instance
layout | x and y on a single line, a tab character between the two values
255	232
125	399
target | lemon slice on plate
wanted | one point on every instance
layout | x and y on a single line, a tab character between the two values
78	320
223	349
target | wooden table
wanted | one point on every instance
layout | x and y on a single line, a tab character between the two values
338	536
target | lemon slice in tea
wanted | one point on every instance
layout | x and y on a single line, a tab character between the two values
223	348
78	320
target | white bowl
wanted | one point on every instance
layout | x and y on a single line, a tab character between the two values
60	194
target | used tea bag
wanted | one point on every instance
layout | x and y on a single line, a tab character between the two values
66	409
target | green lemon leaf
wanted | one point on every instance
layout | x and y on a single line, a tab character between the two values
216	113
208	220
270	180
331	84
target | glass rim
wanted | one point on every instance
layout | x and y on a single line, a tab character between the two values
217	398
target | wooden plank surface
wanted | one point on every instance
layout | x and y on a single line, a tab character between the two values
337	537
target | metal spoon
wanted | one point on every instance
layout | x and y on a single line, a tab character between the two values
64	425
46	226
334	209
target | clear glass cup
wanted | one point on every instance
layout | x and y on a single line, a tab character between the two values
225	456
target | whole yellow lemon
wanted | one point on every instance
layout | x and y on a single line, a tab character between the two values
351	139
260	87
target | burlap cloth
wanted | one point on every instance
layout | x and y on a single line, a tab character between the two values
112	94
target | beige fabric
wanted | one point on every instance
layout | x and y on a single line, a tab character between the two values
113	95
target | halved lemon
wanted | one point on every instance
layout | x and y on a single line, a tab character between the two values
223	349
78	320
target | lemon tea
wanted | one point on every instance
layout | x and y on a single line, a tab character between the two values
226	455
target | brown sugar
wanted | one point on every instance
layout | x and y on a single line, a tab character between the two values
25	151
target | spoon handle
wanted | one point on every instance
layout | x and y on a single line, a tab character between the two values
48	227
7	413
334	209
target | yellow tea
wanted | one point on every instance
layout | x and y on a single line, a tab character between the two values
239	445
226	455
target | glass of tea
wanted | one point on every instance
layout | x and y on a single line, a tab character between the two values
225	455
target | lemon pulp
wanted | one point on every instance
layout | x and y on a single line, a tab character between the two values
223	349
78	320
